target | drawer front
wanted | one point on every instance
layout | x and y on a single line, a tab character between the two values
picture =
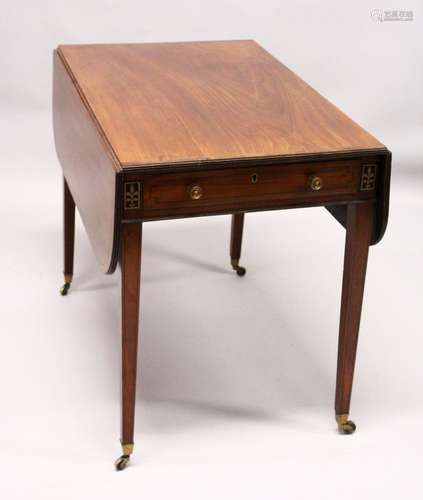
249	185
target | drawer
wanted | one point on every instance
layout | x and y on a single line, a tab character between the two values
253	185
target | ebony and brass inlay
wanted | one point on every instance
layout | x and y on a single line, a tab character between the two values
368	177
132	195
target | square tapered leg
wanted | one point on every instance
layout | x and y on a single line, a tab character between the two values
68	237
237	226
130	260
359	226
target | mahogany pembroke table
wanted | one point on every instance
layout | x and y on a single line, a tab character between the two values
157	131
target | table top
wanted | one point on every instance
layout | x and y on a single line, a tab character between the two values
196	102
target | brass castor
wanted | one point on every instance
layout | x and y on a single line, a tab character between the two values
64	289
122	462
66	286
345	426
240	271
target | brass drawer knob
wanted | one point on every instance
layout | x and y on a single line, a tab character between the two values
195	192
315	183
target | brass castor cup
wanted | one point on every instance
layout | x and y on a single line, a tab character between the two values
66	286
64	289
240	271
345	426
123	461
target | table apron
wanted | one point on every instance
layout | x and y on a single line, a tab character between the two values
244	189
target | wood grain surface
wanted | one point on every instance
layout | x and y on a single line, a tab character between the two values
204	101
89	165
